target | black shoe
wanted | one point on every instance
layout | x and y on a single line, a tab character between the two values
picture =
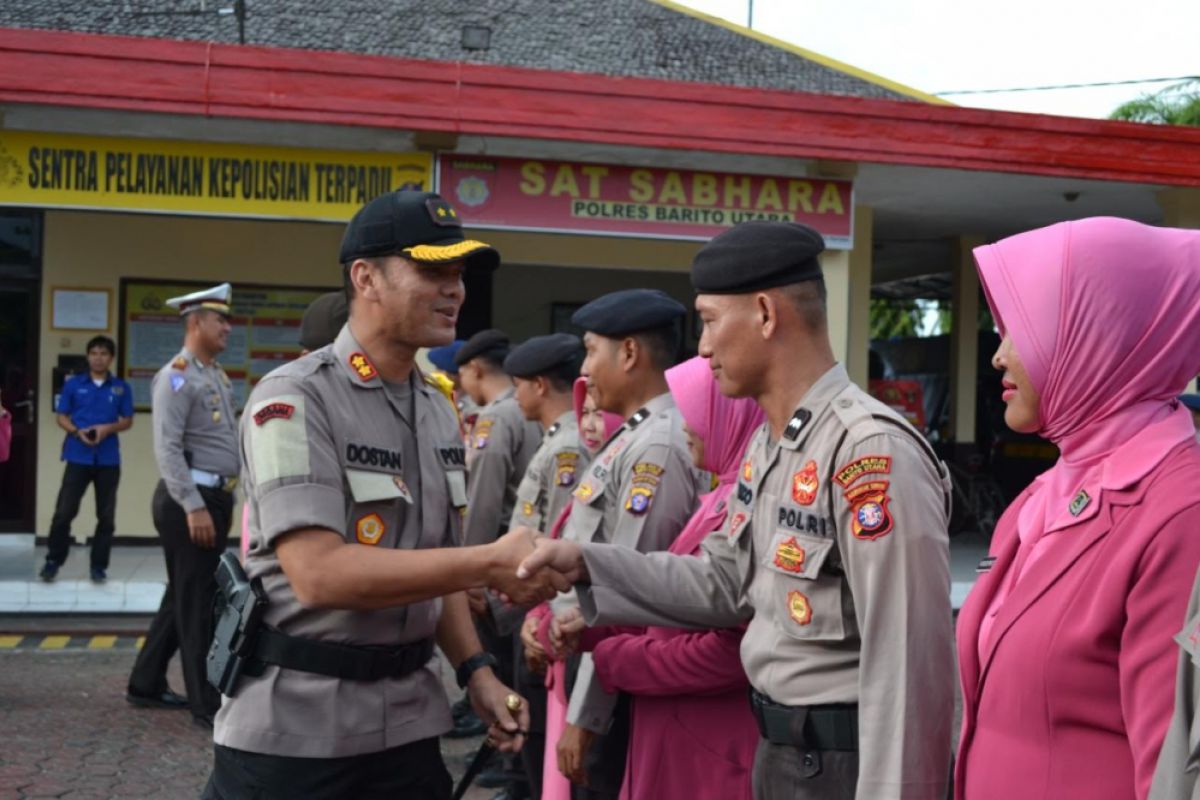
49	571
166	699
99	575
467	726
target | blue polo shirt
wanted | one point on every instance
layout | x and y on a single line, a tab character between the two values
88	404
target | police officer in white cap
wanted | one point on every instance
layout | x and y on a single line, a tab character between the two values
196	446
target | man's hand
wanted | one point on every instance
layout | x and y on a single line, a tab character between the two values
201	529
98	433
565	631
535	655
488	697
563	557
477	600
533	587
572	748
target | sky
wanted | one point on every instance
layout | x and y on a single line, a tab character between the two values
945	45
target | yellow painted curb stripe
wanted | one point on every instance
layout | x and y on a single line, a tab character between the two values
101	642
825	61
54	642
10	641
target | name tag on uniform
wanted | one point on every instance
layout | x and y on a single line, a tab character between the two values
985	564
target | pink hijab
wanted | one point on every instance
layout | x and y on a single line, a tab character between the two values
1105	315
611	421
725	425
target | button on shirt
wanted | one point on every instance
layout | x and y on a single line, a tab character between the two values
327	444
88	404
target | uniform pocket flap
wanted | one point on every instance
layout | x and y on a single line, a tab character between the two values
798	555
370	487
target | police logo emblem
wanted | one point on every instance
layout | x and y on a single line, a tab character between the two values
789	556
747	471
805	484
799	609
871	519
369	529
639	500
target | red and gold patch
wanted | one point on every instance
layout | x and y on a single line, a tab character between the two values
805	484
483	430
870	518
273	411
527	508
867	465
789	556
747	471
737	523
799	609
362	366
369	529
179	363
584	492
869	489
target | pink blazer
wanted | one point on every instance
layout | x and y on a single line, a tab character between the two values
1076	686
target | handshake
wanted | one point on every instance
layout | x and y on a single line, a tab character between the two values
526	568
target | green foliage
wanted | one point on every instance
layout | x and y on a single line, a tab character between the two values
1177	104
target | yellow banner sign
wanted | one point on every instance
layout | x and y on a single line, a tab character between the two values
227	180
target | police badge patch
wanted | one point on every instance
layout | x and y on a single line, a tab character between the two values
639	500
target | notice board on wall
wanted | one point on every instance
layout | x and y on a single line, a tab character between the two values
265	335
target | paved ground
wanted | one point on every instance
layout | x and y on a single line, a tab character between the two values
67	732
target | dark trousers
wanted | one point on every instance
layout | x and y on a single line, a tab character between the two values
604	761
413	771
532	686
76	478
782	772
184	621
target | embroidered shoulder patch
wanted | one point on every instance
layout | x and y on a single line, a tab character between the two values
362	366
177	382
179	363
646	473
870	518
274	411
639	500
867	465
483	430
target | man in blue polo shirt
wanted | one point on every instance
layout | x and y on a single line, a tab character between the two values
94	407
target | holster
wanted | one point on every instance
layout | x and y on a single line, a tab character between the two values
824	727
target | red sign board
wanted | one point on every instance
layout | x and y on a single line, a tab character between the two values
905	396
610	200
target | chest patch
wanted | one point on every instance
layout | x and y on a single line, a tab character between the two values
799	609
369	529
805	484
867	465
789	556
368	456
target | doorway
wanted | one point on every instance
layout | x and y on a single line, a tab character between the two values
20	306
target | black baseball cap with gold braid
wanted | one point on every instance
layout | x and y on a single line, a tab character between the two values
420	226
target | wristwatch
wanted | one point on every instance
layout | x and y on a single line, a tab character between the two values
467	668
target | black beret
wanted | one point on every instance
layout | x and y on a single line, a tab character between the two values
543	354
754	256
489	342
628	311
419	225
322	320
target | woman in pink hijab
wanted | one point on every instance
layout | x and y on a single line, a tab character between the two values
595	428
1065	643
691	731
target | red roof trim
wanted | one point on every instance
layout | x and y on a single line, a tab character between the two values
158	75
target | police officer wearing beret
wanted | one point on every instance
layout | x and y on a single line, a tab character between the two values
544	370
638	492
195	445
354	477
835	549
323	320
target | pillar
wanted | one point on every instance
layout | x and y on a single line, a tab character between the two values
964	342
848	282
1181	209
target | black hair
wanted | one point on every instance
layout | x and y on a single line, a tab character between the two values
661	345
102	341
809	300
562	377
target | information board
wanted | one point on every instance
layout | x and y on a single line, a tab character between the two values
265	335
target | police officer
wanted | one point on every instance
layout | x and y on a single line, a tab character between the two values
502	442
354	476
835	548
638	492
544	370
195	444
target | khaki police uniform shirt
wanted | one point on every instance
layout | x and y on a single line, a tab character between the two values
328	445
638	492
501	445
551	476
195	426
1175	777
835	548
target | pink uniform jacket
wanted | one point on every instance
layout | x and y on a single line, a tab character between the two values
1075	687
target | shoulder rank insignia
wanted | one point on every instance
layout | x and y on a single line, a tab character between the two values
179	363
527	508
867	465
748	471
799	609
1079	503
796	424
639	500
805	484
362	366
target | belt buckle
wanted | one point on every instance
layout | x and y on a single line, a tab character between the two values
229	484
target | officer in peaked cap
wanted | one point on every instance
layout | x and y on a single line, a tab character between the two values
544	370
638	492
848	647
355	485
195	445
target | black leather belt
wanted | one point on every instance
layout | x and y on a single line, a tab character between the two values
349	662
826	727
